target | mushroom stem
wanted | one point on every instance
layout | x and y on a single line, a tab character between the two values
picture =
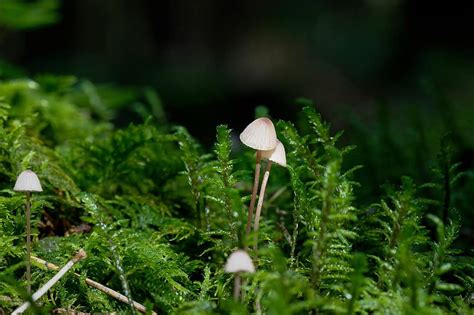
260	204
237	286
28	241
254	193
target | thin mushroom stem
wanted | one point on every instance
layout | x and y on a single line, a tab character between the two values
260	204
237	286
28	241
41	291
254	193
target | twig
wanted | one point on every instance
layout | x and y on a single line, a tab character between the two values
5	299
94	284
70	312
80	255
277	194
286	234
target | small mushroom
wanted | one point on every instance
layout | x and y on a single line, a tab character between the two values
261	136
277	156
28	182
238	262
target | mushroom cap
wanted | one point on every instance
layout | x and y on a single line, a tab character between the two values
276	155
259	135
27	181
239	261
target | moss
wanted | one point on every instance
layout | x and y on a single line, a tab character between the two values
153	208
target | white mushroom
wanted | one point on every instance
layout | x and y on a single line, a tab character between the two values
259	135
277	155
28	182
238	262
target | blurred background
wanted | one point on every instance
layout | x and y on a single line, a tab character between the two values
214	62
396	75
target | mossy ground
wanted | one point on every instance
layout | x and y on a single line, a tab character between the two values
333	240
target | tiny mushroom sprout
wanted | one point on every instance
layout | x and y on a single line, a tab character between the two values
28	182
238	262
277	156
261	136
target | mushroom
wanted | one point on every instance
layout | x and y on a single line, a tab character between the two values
28	182
238	262
261	136
278	156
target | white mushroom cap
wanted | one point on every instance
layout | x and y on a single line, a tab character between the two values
239	261
276	155
259	135
27	181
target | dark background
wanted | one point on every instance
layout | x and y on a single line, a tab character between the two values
213	61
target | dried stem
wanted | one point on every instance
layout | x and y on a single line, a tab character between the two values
80	255
94	284
260	204
254	194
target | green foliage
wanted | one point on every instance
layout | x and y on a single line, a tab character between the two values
325	196
223	186
158	215
22	14
194	170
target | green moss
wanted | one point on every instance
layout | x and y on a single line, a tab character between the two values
151	197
